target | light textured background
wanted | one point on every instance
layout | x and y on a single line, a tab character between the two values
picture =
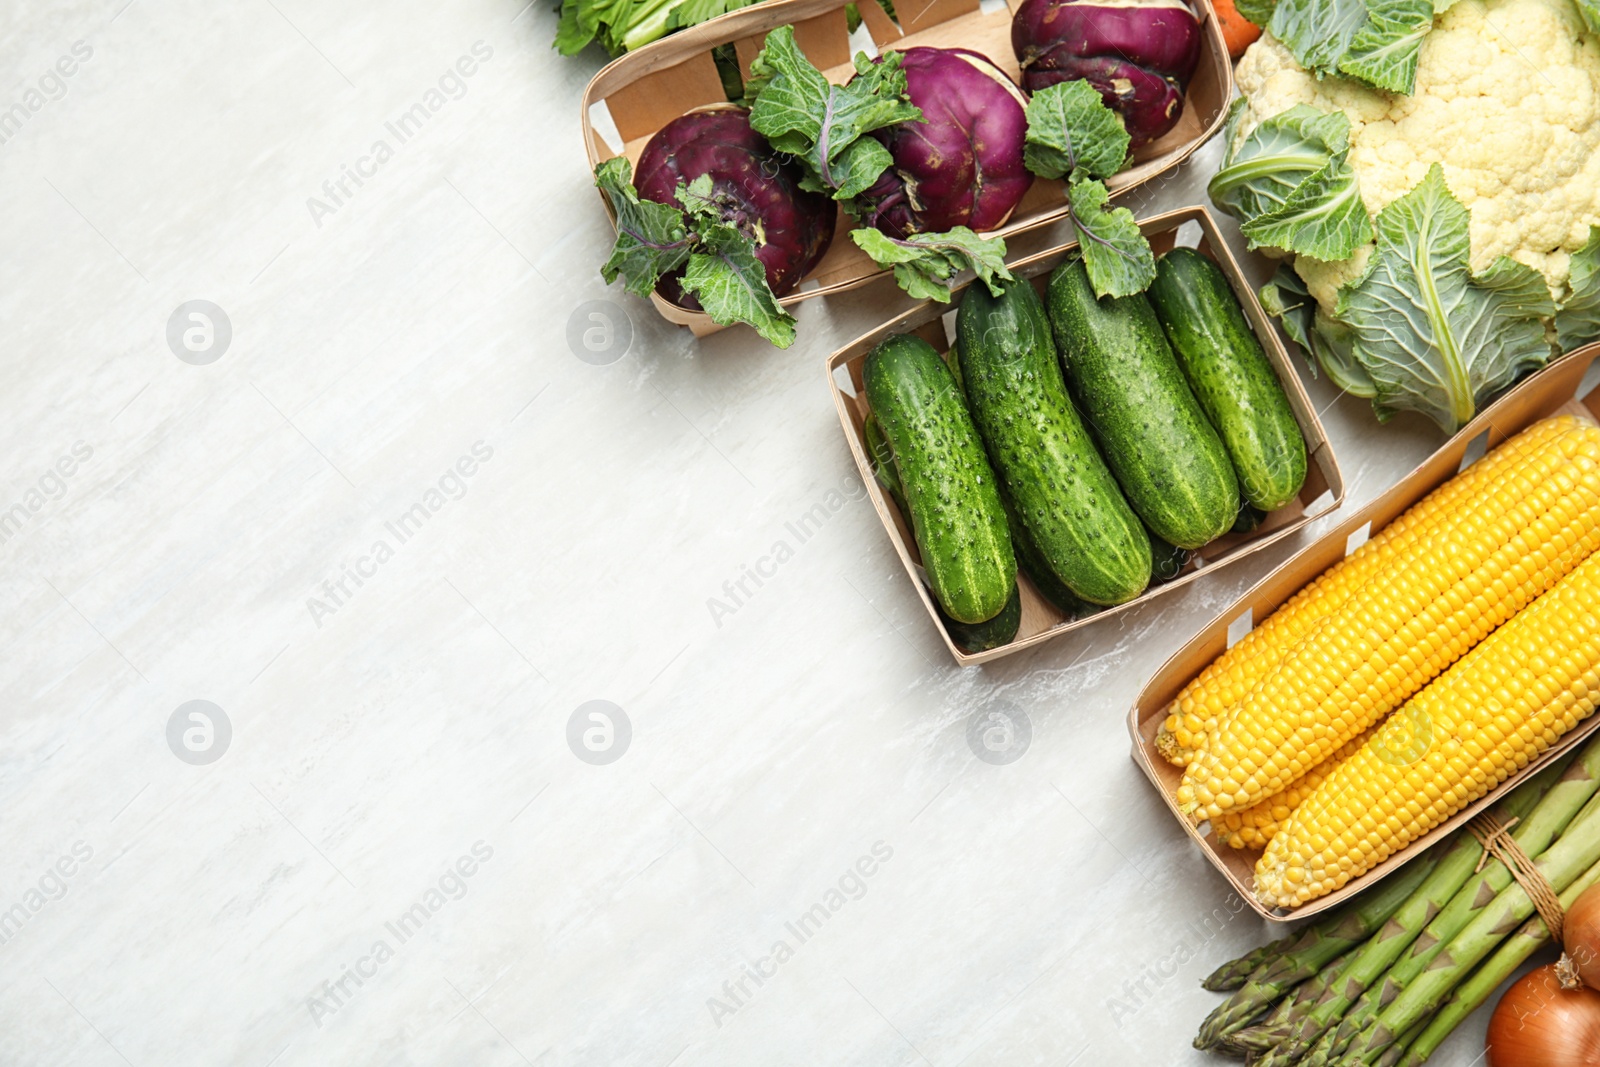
1044	912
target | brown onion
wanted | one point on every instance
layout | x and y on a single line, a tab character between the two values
1581	937
1540	1024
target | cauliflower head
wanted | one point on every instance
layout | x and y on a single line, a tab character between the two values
1507	102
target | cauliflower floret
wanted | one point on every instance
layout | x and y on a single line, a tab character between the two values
1507	101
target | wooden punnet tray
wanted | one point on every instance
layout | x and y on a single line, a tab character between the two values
1552	391
646	89
1322	492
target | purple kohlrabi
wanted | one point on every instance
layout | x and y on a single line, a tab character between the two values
759	191
1140	54
962	165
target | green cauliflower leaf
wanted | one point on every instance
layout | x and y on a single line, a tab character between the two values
1291	185
1578	321
1427	333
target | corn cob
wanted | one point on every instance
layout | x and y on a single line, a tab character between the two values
1484	719
1432	602
1255	826
1231	676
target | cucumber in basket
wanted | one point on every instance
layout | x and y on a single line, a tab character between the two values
1030	561
1065	495
1127	382
1231	377
950	492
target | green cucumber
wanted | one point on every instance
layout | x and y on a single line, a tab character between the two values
1231	377
1249	518
1068	501
950	492
975	637
1151	429
882	460
1166	560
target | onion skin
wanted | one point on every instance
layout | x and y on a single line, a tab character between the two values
1581	933
962	165
1539	1024
791	227
1140	55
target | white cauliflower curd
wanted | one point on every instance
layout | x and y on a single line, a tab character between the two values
1507	101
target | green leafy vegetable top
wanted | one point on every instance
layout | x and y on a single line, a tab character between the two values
1578	322
1073	135
1427	333
825	125
721	268
1376	41
1291	185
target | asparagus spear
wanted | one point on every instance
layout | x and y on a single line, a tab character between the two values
1575	788
1399	1048
1561	864
1266	1035
1356	924
1471	994
1235	973
1396	935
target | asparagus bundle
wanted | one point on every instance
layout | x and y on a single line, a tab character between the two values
1387	979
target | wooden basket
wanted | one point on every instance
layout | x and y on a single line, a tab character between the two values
1551	391
646	89
1041	622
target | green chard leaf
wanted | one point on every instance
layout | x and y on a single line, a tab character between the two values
824	125
1384	52
1430	335
731	284
1291	185
1071	132
926	264
1578	321
1115	253
652	238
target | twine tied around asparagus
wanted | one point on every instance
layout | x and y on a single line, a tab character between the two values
1496	839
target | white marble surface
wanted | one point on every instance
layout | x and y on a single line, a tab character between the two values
1043	912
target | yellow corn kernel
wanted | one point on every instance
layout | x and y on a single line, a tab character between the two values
1430	602
1476	725
1232	675
1254	826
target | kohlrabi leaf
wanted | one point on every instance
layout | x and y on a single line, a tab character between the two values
731	285
1071	132
926	264
1578	321
1291	185
1115	253
1384	52
822	124
1429	334
1318	32
652	238
1257	11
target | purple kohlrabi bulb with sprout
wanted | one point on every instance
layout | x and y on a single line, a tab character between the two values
759	191
962	165
1140	54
